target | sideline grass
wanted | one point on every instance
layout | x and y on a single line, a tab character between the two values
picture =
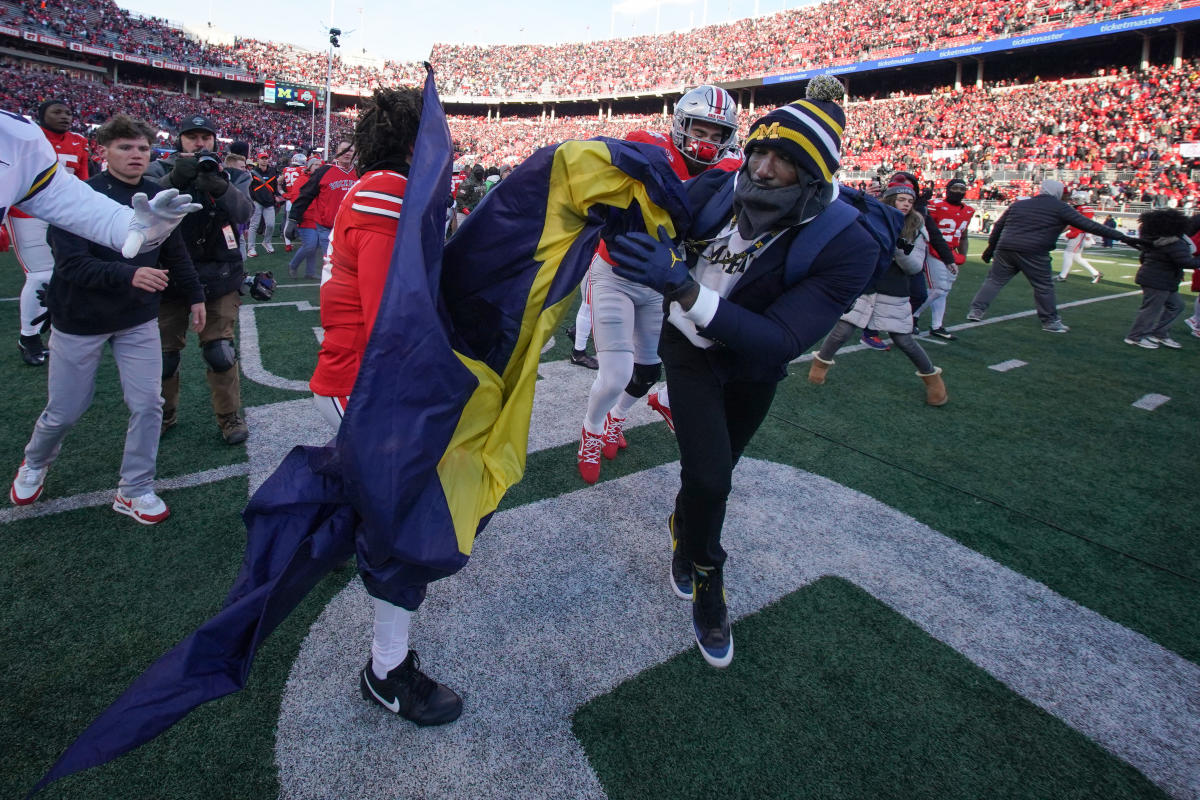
837	696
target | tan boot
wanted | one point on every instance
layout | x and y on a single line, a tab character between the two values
816	373
935	387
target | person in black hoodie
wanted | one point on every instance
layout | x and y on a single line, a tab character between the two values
95	298
1169	252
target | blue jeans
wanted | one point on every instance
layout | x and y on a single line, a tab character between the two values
313	244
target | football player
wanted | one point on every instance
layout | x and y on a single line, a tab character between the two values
294	176
356	267
1077	240
627	317
952	216
28	233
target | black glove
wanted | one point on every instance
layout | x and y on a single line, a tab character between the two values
290	228
650	262
906	246
183	173
1135	242
986	255
214	183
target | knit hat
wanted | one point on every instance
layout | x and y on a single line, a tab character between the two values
45	106
808	131
956	182
240	149
899	186
1053	188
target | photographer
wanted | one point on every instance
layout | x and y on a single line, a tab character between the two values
212	241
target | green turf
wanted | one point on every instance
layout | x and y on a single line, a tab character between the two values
111	597
834	695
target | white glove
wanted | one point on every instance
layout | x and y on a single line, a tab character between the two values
155	218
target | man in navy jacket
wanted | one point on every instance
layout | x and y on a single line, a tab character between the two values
763	285
97	297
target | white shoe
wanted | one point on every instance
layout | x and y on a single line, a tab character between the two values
270	248
1192	324
147	509
27	485
1145	342
251	253
1166	341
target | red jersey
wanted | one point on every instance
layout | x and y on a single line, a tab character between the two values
1073	232
293	178
322	194
456	180
73	155
360	251
952	220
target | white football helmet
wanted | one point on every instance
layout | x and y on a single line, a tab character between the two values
704	104
1079	198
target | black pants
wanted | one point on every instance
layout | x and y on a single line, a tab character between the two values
714	421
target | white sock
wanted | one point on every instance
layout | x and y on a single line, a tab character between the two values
624	403
937	312
583	320
662	396
616	368
389	646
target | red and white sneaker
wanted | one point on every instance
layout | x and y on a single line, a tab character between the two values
287	248
614	436
27	485
148	509
590	446
663	409
270	248
251	253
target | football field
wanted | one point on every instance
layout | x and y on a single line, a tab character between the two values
996	598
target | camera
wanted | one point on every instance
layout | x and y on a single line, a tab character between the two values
207	161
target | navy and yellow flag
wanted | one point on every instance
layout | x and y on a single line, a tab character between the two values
438	427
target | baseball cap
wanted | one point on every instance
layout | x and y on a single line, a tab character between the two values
197	122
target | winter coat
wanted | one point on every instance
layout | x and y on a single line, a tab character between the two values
1163	265
1032	226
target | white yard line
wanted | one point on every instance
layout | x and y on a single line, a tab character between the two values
1150	402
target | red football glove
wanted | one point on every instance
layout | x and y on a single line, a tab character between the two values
959	259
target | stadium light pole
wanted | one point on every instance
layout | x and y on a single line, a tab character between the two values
334	33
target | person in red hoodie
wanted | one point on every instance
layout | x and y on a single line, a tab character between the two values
28	234
316	206
294	176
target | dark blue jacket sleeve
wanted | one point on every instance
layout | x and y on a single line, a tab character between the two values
805	312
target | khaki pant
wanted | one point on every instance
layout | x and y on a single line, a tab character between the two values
225	387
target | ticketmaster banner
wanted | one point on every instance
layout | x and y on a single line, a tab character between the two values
980	48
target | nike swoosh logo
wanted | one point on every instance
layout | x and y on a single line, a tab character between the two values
393	706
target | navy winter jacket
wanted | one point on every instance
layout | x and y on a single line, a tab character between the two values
1032	226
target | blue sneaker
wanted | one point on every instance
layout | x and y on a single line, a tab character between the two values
710	617
681	567
875	343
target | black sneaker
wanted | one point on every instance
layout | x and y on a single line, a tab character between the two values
580	358
710	618
571	333
942	333
32	350
681	567
411	693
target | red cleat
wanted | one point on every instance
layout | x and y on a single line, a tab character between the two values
664	410
590	446
614	436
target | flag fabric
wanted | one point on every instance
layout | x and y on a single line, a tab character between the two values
438	426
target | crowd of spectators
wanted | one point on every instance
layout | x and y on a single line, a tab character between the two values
828	33
1115	133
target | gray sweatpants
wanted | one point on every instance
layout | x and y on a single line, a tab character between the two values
266	215
1005	265
72	383
1160	307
